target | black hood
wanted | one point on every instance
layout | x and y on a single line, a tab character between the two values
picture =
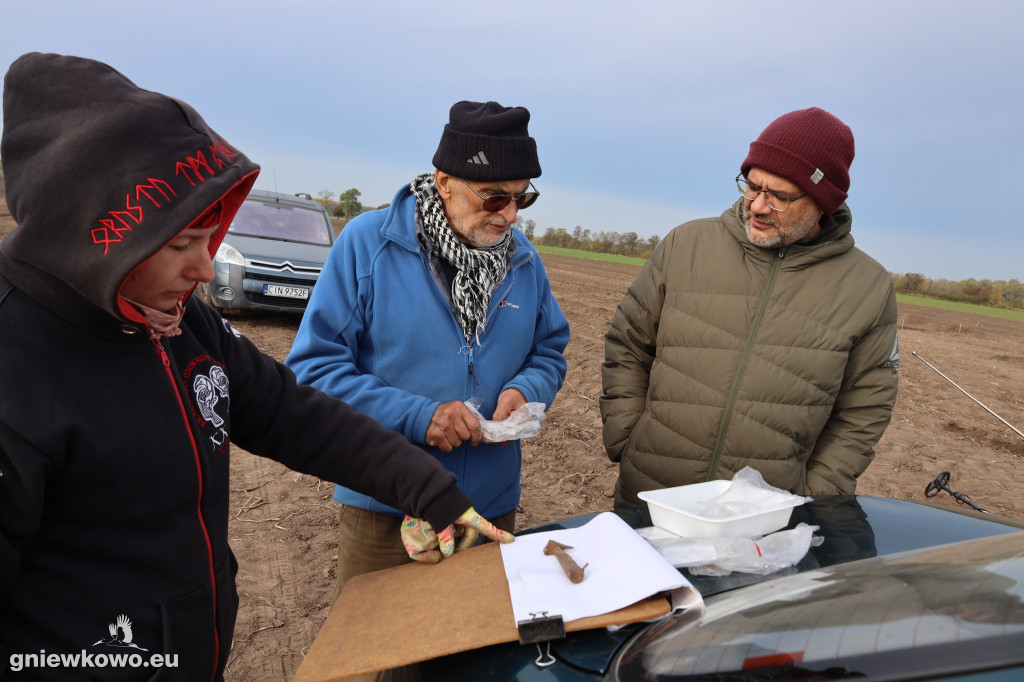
100	175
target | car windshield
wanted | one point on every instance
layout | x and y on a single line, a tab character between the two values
281	221
951	609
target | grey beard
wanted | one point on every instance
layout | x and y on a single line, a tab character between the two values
792	234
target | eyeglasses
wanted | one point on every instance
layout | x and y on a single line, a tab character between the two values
776	202
496	202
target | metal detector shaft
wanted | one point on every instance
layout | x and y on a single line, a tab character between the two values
1015	429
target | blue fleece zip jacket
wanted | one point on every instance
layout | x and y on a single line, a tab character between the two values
380	334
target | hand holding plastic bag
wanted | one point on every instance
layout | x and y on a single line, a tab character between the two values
524	422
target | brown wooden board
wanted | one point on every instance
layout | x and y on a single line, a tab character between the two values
417	612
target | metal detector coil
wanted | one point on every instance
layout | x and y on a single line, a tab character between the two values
941	482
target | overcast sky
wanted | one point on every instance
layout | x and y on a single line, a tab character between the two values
642	111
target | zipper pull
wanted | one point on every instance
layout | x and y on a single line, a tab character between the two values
473	374
163	353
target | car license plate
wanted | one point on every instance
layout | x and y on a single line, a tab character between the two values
286	292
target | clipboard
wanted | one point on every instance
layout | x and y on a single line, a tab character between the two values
389	618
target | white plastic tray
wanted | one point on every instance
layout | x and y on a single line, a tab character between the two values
673	509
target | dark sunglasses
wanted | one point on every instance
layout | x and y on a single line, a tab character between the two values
496	202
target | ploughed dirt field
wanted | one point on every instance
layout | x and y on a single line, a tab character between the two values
283	525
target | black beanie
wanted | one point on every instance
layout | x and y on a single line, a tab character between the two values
486	141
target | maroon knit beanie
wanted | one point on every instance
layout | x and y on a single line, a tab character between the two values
812	149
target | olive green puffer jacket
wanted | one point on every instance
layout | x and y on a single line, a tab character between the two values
724	355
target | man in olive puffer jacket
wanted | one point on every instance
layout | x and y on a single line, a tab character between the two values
760	338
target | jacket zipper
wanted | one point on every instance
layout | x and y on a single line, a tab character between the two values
731	403
471	366
166	361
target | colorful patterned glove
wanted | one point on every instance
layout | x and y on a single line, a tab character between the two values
471	526
428	547
423	544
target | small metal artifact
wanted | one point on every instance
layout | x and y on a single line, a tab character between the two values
571	568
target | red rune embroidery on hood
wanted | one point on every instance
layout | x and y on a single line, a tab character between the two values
219	150
158	185
133	212
116	223
110	232
196	164
220	154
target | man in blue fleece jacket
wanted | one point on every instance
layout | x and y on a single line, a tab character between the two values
430	302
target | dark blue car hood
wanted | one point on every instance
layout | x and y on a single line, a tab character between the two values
855	528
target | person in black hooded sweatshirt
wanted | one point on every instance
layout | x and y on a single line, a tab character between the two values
120	393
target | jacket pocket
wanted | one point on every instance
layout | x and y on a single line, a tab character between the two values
190	631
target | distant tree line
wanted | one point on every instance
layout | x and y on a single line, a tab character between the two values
995	293
347	206
618	243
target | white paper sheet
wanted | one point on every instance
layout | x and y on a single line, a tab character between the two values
623	569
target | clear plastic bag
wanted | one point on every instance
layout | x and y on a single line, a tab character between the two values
723	555
747	493
524	422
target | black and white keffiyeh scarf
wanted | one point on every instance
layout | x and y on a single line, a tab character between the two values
479	271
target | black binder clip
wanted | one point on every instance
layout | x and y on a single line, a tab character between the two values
541	628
